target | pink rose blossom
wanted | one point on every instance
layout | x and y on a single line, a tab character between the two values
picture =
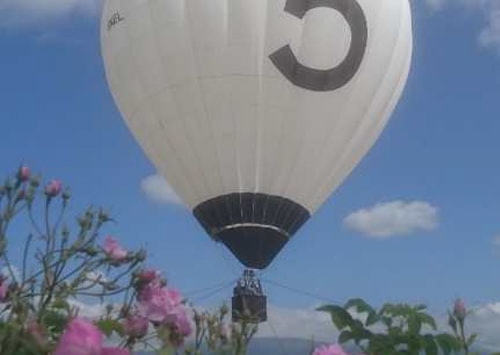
179	320
135	326
23	174
459	309
113	250
179	326
174	295
161	305
329	350
53	188
83	338
80	338
157	303
147	276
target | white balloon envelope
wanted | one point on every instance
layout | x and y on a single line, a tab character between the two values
256	110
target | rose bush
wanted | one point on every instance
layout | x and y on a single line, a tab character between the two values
61	266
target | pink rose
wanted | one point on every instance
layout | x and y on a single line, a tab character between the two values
174	295
164	306
147	276
329	350
135	326
459	309
113	250
83	338
179	321
53	188
155	303
23	174
80	338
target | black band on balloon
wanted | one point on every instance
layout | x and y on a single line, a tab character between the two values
254	226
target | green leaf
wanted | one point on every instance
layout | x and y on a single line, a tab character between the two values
359	305
430	345
340	317
415	342
420	307
472	339
361	334
345	337
414	324
452	322
447	343
381	344
386	320
61	304
54	320
108	326
427	319
372	319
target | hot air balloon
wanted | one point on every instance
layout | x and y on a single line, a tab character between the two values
255	111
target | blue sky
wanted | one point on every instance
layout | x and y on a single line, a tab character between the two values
434	175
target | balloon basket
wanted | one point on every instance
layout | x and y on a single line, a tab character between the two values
249	304
250	309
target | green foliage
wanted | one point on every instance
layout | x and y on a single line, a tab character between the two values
60	261
108	326
394	329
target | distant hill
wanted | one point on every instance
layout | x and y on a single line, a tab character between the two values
274	346
287	346
280	346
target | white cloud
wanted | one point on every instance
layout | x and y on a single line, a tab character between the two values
436	4
496	241
485	321
28	12
156	188
395	218
298	324
87	310
490	34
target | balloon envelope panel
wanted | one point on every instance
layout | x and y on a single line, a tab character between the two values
238	98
